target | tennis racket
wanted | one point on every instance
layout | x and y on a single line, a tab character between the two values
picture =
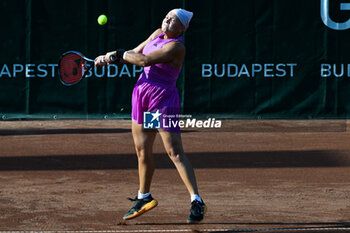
72	67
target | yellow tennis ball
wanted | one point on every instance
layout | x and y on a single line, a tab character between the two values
102	19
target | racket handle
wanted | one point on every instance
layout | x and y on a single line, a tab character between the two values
113	58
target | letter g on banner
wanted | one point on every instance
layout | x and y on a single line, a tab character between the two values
328	21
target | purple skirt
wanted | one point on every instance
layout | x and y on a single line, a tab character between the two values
148	97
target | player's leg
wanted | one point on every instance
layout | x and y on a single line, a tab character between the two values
173	145
143	140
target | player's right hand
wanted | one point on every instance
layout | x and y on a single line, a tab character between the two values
100	61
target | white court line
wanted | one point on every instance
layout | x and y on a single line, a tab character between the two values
191	230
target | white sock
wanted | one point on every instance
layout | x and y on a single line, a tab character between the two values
196	197
142	196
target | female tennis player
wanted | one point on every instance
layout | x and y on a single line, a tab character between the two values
161	55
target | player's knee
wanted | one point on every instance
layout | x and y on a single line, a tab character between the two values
139	148
175	155
143	154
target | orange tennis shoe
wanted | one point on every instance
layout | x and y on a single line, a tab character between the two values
140	207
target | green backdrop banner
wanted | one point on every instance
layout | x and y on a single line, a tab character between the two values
251	58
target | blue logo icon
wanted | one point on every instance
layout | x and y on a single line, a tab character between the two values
328	21
151	120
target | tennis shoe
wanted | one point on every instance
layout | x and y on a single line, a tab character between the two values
198	209
140	207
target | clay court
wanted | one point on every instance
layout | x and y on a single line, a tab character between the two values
255	175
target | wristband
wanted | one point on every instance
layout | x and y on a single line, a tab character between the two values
120	53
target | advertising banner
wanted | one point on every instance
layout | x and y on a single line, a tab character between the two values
252	58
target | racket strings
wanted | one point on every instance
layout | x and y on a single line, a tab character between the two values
71	68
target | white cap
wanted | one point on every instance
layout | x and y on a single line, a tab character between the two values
183	15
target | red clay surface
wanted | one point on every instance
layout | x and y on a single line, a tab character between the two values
75	175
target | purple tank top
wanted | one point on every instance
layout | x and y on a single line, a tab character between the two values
162	74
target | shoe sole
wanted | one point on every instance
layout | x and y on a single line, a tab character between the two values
143	210
194	222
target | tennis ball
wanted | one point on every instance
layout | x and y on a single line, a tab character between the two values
102	19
